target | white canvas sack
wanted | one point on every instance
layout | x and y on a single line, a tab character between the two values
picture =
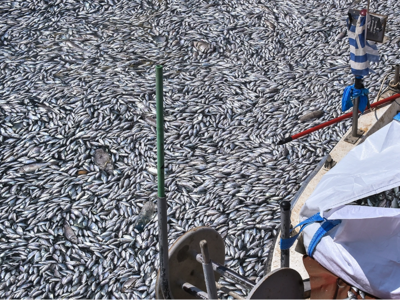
364	249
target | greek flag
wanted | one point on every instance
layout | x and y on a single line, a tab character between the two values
362	52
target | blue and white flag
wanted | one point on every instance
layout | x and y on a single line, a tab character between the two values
362	52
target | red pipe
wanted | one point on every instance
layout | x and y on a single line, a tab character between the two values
333	121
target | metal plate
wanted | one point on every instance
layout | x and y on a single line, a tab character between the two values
183	266
353	139
283	283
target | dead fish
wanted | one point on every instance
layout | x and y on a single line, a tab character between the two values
150	121
341	35
31	167
74	46
70	234
394	204
202	46
311	115
56	273
152	171
129	283
270	25
351	295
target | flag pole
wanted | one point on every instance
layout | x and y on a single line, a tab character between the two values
358	85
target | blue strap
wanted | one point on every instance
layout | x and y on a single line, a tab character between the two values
325	227
287	243
315	218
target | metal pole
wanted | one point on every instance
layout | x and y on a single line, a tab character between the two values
208	271
358	85
224	271
285	231
354	131
161	200
194	291
396	75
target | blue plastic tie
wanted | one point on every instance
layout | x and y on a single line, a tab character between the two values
350	93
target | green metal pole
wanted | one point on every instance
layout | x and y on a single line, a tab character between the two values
162	200
160	130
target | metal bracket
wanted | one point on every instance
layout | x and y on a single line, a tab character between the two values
353	139
329	163
307	288
395	82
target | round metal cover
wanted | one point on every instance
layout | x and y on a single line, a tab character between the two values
183	266
283	283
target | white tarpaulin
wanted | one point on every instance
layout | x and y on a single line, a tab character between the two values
364	249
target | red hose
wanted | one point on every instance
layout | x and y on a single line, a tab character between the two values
333	121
